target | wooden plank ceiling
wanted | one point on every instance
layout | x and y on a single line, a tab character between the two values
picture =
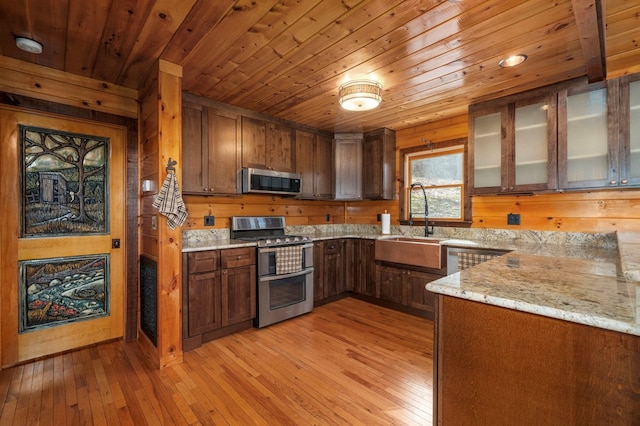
287	58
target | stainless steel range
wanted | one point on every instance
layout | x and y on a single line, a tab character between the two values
285	268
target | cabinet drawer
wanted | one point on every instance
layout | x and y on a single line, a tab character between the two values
203	261
243	256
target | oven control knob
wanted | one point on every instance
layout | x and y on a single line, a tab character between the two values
278	240
267	241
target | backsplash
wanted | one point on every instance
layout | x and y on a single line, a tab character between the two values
601	240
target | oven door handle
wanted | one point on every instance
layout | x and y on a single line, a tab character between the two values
273	249
283	276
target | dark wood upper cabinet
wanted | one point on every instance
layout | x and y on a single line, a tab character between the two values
267	145
379	165
314	164
513	145
599	134
210	150
572	135
348	166
629	130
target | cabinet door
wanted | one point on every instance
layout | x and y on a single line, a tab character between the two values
280	148
238	295
351	250
194	149
305	163
323	173
378	165
223	159
318	270
419	297
348	169
390	282
367	269
333	268
488	148
204	302
254	143
532	161
630	130
586	155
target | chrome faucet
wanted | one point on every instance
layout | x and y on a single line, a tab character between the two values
427	232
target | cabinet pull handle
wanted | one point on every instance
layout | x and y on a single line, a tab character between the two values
624	181
613	182
239	257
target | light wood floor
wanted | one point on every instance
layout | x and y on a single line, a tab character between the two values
347	362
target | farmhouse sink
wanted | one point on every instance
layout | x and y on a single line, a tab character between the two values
423	252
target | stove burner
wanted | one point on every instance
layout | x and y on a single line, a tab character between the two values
266	231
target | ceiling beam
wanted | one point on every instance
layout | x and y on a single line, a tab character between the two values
589	20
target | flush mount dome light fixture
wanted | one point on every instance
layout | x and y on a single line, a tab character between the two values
28	45
513	60
360	95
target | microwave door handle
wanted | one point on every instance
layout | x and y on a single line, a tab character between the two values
284	276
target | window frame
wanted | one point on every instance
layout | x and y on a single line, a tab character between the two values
404	182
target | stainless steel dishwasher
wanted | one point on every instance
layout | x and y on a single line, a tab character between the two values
459	258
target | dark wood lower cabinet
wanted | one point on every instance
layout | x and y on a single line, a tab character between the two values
220	294
494	365
406	288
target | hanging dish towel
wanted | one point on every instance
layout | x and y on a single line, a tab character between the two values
169	202
288	259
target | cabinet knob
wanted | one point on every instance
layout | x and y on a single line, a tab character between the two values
613	182
624	181
239	257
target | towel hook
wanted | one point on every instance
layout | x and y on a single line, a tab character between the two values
170	165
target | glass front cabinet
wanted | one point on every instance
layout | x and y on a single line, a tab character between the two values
513	146
579	136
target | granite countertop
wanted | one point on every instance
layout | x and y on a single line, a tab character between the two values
584	283
574	283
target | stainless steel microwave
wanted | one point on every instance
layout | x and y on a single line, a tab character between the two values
269	182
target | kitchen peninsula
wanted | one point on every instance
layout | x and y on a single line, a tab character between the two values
544	334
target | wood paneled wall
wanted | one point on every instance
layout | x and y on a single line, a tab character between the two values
583	211
161	123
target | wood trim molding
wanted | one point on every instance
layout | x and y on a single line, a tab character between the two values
36	81
590	26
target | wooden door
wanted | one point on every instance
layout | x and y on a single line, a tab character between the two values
62	194
204	302
280	152
254	143
318	271
238	295
367	266
194	154
391	282
305	163
223	153
334	268
323	174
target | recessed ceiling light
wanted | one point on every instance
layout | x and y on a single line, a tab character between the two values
28	45
513	60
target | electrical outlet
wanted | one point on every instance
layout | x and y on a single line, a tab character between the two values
209	220
379	217
154	222
513	219
328	217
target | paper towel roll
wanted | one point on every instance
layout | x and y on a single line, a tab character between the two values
386	223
